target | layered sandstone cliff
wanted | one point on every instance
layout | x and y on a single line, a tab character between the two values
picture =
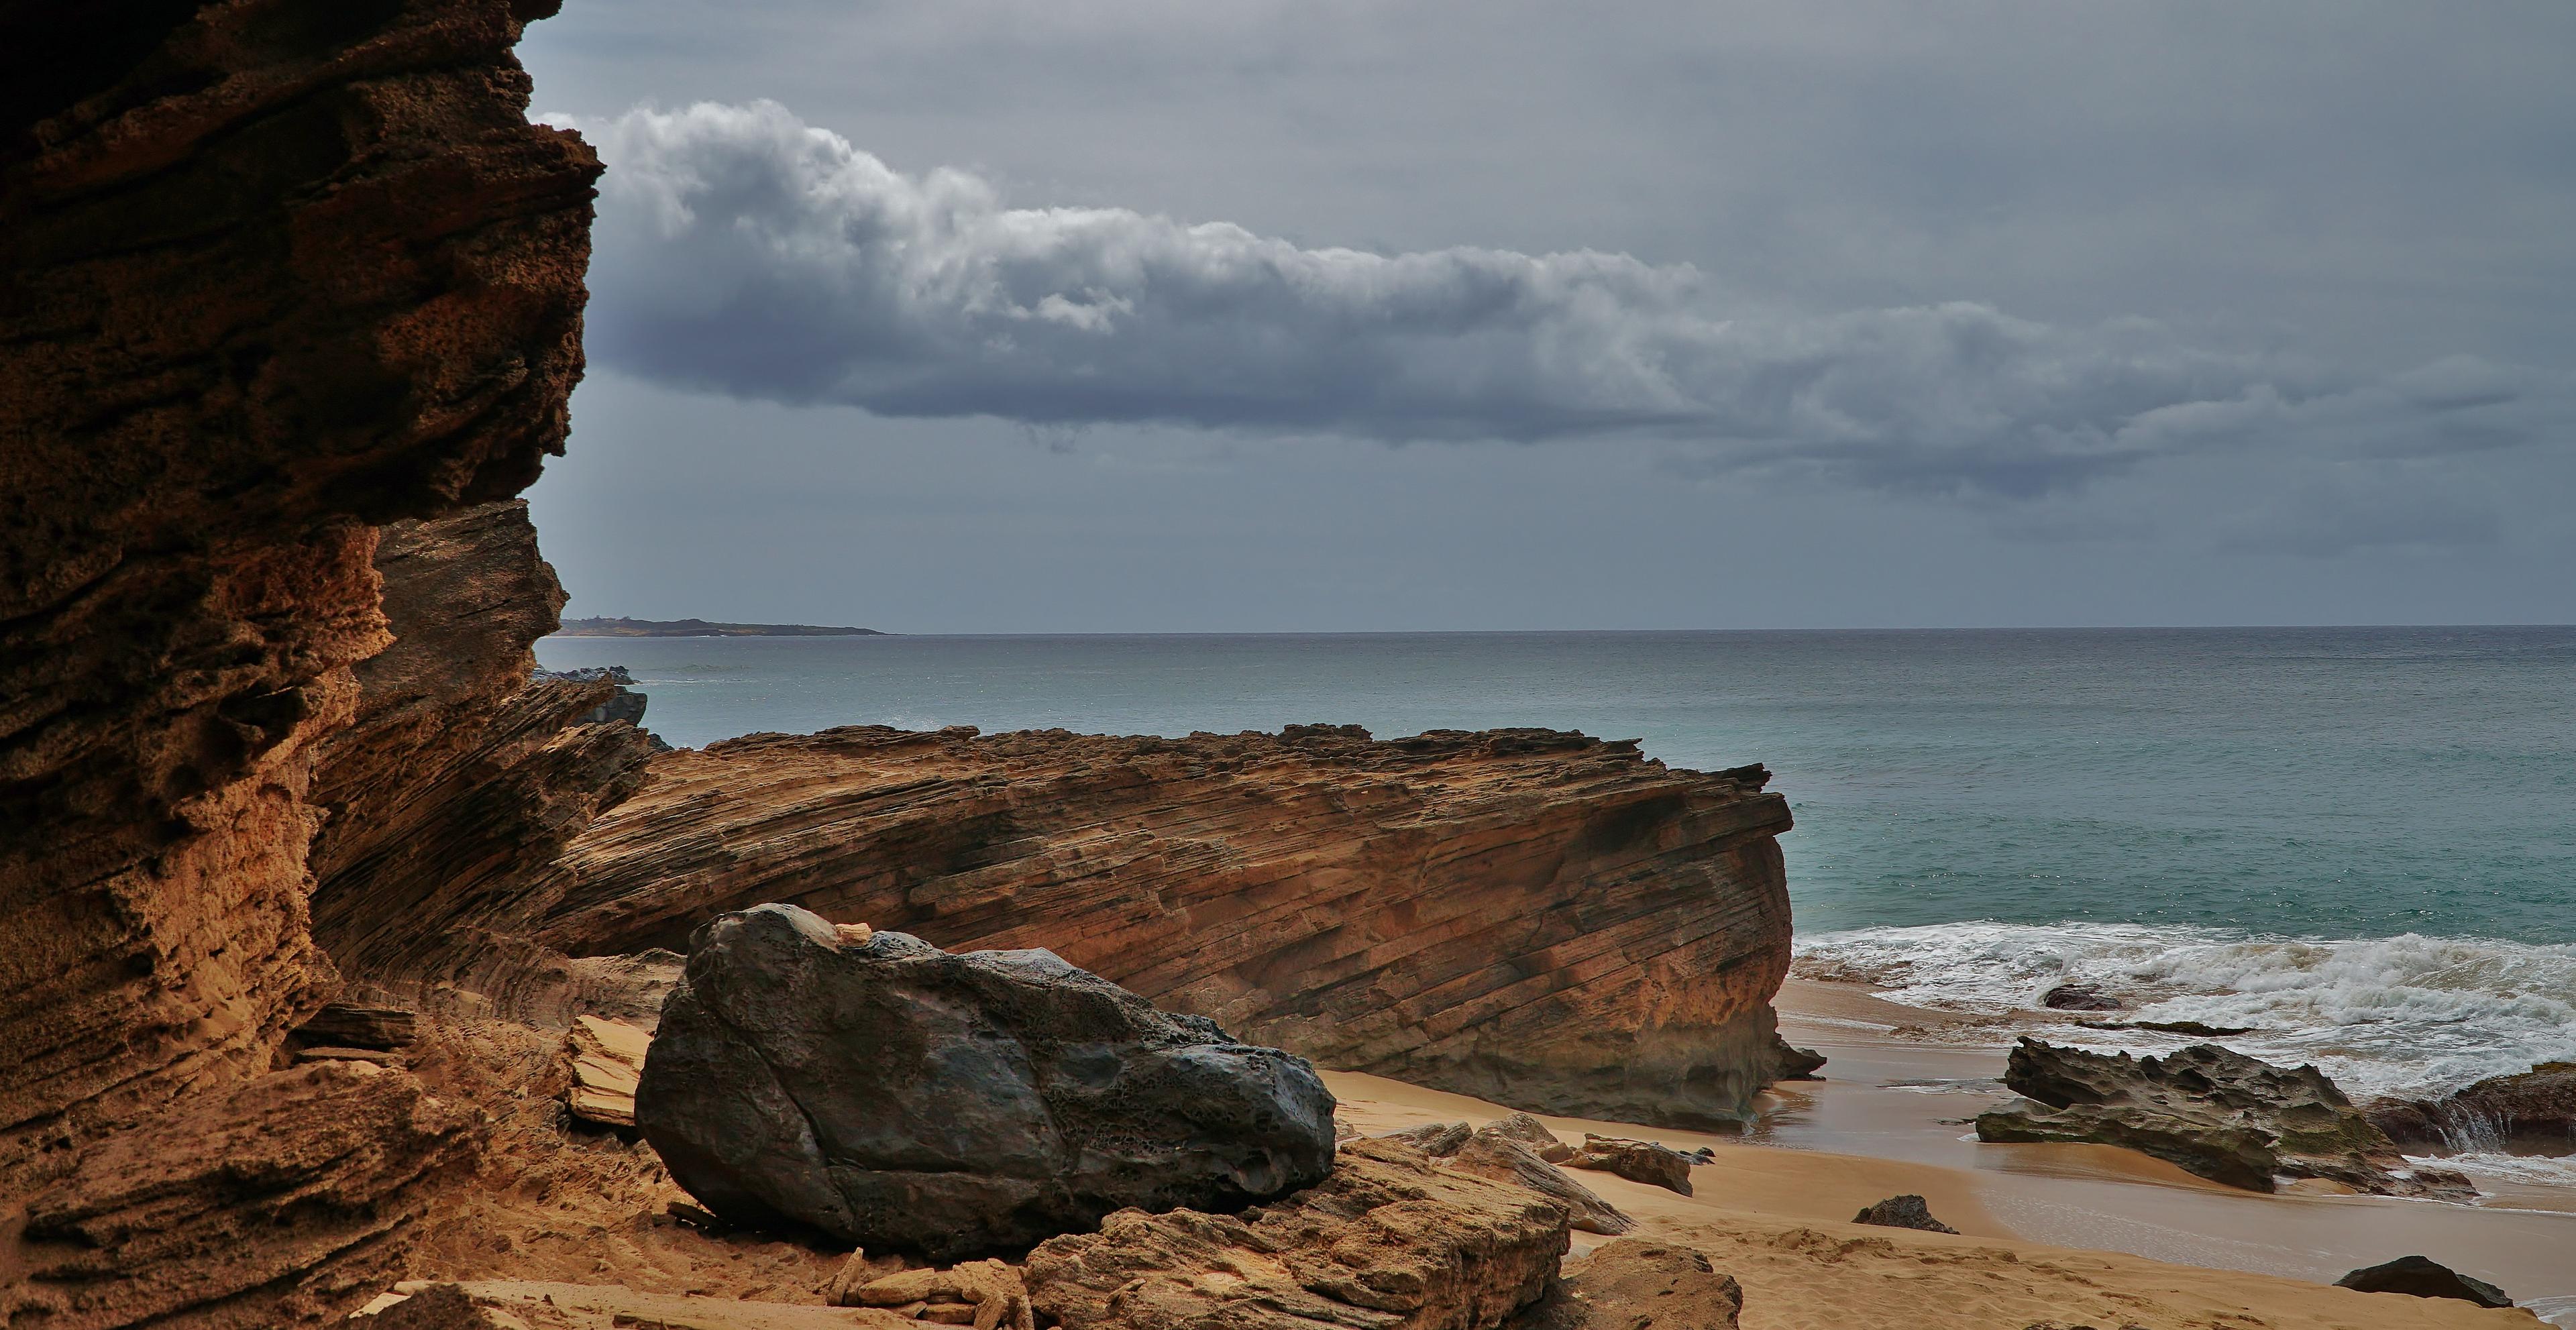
272	274
1538	918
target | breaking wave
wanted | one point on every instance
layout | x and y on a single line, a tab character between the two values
2407	1015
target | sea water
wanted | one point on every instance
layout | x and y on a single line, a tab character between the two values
2360	842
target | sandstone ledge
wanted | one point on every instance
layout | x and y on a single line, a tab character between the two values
1542	919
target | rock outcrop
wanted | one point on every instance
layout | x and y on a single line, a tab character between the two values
461	774
2216	1113
1540	919
272	275
2530	1112
1517	1149
1634	1284
1388	1242
896	1096
1637	1161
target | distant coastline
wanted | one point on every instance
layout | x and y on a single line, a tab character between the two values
700	628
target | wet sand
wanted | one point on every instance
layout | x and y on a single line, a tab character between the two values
2082	1231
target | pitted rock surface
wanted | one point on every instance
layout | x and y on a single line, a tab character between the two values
904	1098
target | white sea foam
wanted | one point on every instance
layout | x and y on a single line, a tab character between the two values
2406	1015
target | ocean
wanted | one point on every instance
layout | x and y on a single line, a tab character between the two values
2359	841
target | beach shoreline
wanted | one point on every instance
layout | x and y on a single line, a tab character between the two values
1901	1081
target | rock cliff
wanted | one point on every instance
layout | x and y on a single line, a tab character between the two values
1541	919
272	275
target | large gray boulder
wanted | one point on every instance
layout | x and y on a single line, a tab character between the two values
899	1097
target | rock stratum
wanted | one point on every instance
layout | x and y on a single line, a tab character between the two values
1541	919
276	276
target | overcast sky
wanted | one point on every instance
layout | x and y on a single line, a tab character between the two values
1203	316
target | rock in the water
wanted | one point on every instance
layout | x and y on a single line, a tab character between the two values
897	1096
1388	1242
2424	1277
1491	1154
1908	1211
2216	1113
1637	1161
1636	1284
1792	1063
607	1060
2528	1112
2078	997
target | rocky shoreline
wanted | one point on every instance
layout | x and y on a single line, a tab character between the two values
339	924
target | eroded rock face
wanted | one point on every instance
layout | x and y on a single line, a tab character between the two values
2216	1113
1388	1242
460	774
900	1097
2530	1112
277	1201
1535	918
272	275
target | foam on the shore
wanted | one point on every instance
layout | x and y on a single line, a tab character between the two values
2407	1015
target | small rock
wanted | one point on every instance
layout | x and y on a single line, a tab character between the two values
2078	997
2423	1277
607	1058
1907	1211
1436	1139
1791	1063
1634	1284
988	1295
1533	1133
1637	1161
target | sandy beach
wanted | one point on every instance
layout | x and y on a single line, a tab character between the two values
2070	1234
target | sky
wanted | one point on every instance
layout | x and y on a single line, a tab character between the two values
1149	316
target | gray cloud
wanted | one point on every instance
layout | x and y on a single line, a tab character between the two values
744	252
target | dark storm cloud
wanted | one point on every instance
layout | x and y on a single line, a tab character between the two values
745	252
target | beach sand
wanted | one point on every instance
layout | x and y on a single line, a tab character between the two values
2075	1235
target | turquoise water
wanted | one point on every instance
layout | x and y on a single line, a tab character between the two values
2361	842
2338	782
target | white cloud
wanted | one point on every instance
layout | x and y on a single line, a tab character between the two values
740	250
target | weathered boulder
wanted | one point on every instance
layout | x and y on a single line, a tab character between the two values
1637	1284
2531	1112
1533	1133
988	1295
1439	1140
1637	1161
1388	1242
2216	1113
900	1097
1515	1149
1908	1211
2423	1277
607	1058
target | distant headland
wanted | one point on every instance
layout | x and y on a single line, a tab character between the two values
700	628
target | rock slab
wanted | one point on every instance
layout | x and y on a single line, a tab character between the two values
2215	1113
1537	919
607	1060
1516	1149
1388	1242
1637	1161
900	1097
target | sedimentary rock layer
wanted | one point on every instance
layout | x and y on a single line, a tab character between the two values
272	274
1537	918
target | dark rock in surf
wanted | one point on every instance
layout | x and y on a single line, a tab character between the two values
2531	1112
1907	1211
2216	1113
2078	997
899	1097
2423	1277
